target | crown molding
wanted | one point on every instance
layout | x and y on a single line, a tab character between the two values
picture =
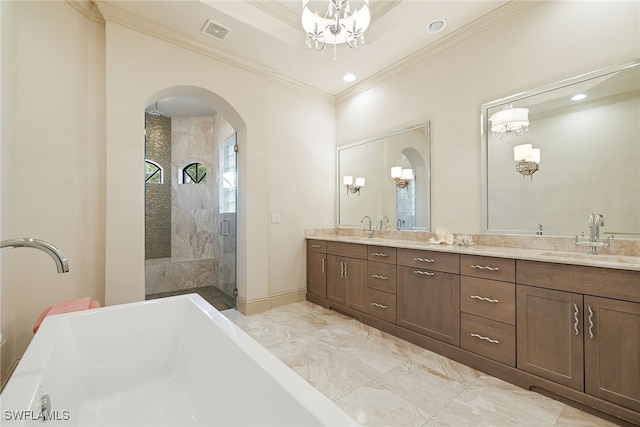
115	14
142	25
491	19
88	9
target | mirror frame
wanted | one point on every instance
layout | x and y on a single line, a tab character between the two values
339	187
484	131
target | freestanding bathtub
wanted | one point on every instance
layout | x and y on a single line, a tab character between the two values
168	362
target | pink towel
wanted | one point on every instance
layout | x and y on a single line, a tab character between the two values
67	306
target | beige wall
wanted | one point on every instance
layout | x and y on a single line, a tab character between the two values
53	169
550	41
280	130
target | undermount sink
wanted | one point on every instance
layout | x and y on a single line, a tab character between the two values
590	257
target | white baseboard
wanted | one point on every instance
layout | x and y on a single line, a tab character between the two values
252	307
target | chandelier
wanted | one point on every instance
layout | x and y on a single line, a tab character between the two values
341	21
509	120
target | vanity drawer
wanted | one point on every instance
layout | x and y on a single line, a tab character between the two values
316	246
596	281
488	338
350	250
488	298
382	254
381	305
381	276
488	267
438	261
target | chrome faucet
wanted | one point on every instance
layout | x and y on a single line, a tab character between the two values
382	219
369	231
55	253
594	222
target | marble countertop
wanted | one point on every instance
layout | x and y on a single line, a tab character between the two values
622	262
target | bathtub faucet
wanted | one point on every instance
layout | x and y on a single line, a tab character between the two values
55	253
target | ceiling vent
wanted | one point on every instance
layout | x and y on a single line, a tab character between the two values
216	31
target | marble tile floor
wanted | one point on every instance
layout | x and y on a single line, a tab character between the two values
381	380
211	294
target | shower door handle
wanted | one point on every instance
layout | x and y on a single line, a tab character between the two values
222	227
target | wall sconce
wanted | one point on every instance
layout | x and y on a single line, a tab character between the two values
528	159
351	187
509	120
402	177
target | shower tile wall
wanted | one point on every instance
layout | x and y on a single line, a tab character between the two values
197	257
158	196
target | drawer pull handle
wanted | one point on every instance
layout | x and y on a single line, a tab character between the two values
424	273
376	276
424	260
575	317
324	266
316	246
590	322
480	267
379	254
484	299
486	339
375	304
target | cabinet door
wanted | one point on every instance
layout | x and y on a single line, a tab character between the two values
355	272
317	274
612	349
429	303
336	283
549	335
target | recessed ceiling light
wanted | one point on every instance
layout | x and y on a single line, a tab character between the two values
436	26
578	97
349	77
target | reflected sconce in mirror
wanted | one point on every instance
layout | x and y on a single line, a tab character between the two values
351	187
402	177
528	159
509	120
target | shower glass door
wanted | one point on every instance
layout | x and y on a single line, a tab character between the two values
227	227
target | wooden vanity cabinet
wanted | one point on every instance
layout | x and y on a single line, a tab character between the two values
381	283
588	341
317	268
571	330
612	350
428	294
488	307
550	340
347	275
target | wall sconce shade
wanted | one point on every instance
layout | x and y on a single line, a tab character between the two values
402	177
509	120
351	187
528	159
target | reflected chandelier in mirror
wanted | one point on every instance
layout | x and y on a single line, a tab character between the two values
582	142
396	169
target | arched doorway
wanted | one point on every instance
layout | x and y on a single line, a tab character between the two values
191	196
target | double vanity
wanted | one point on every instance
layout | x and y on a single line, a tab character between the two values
565	324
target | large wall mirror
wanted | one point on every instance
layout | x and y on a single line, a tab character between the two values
366	185
587	131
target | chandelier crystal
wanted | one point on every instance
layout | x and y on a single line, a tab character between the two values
339	21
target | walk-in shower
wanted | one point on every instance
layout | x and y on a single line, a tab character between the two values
190	202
